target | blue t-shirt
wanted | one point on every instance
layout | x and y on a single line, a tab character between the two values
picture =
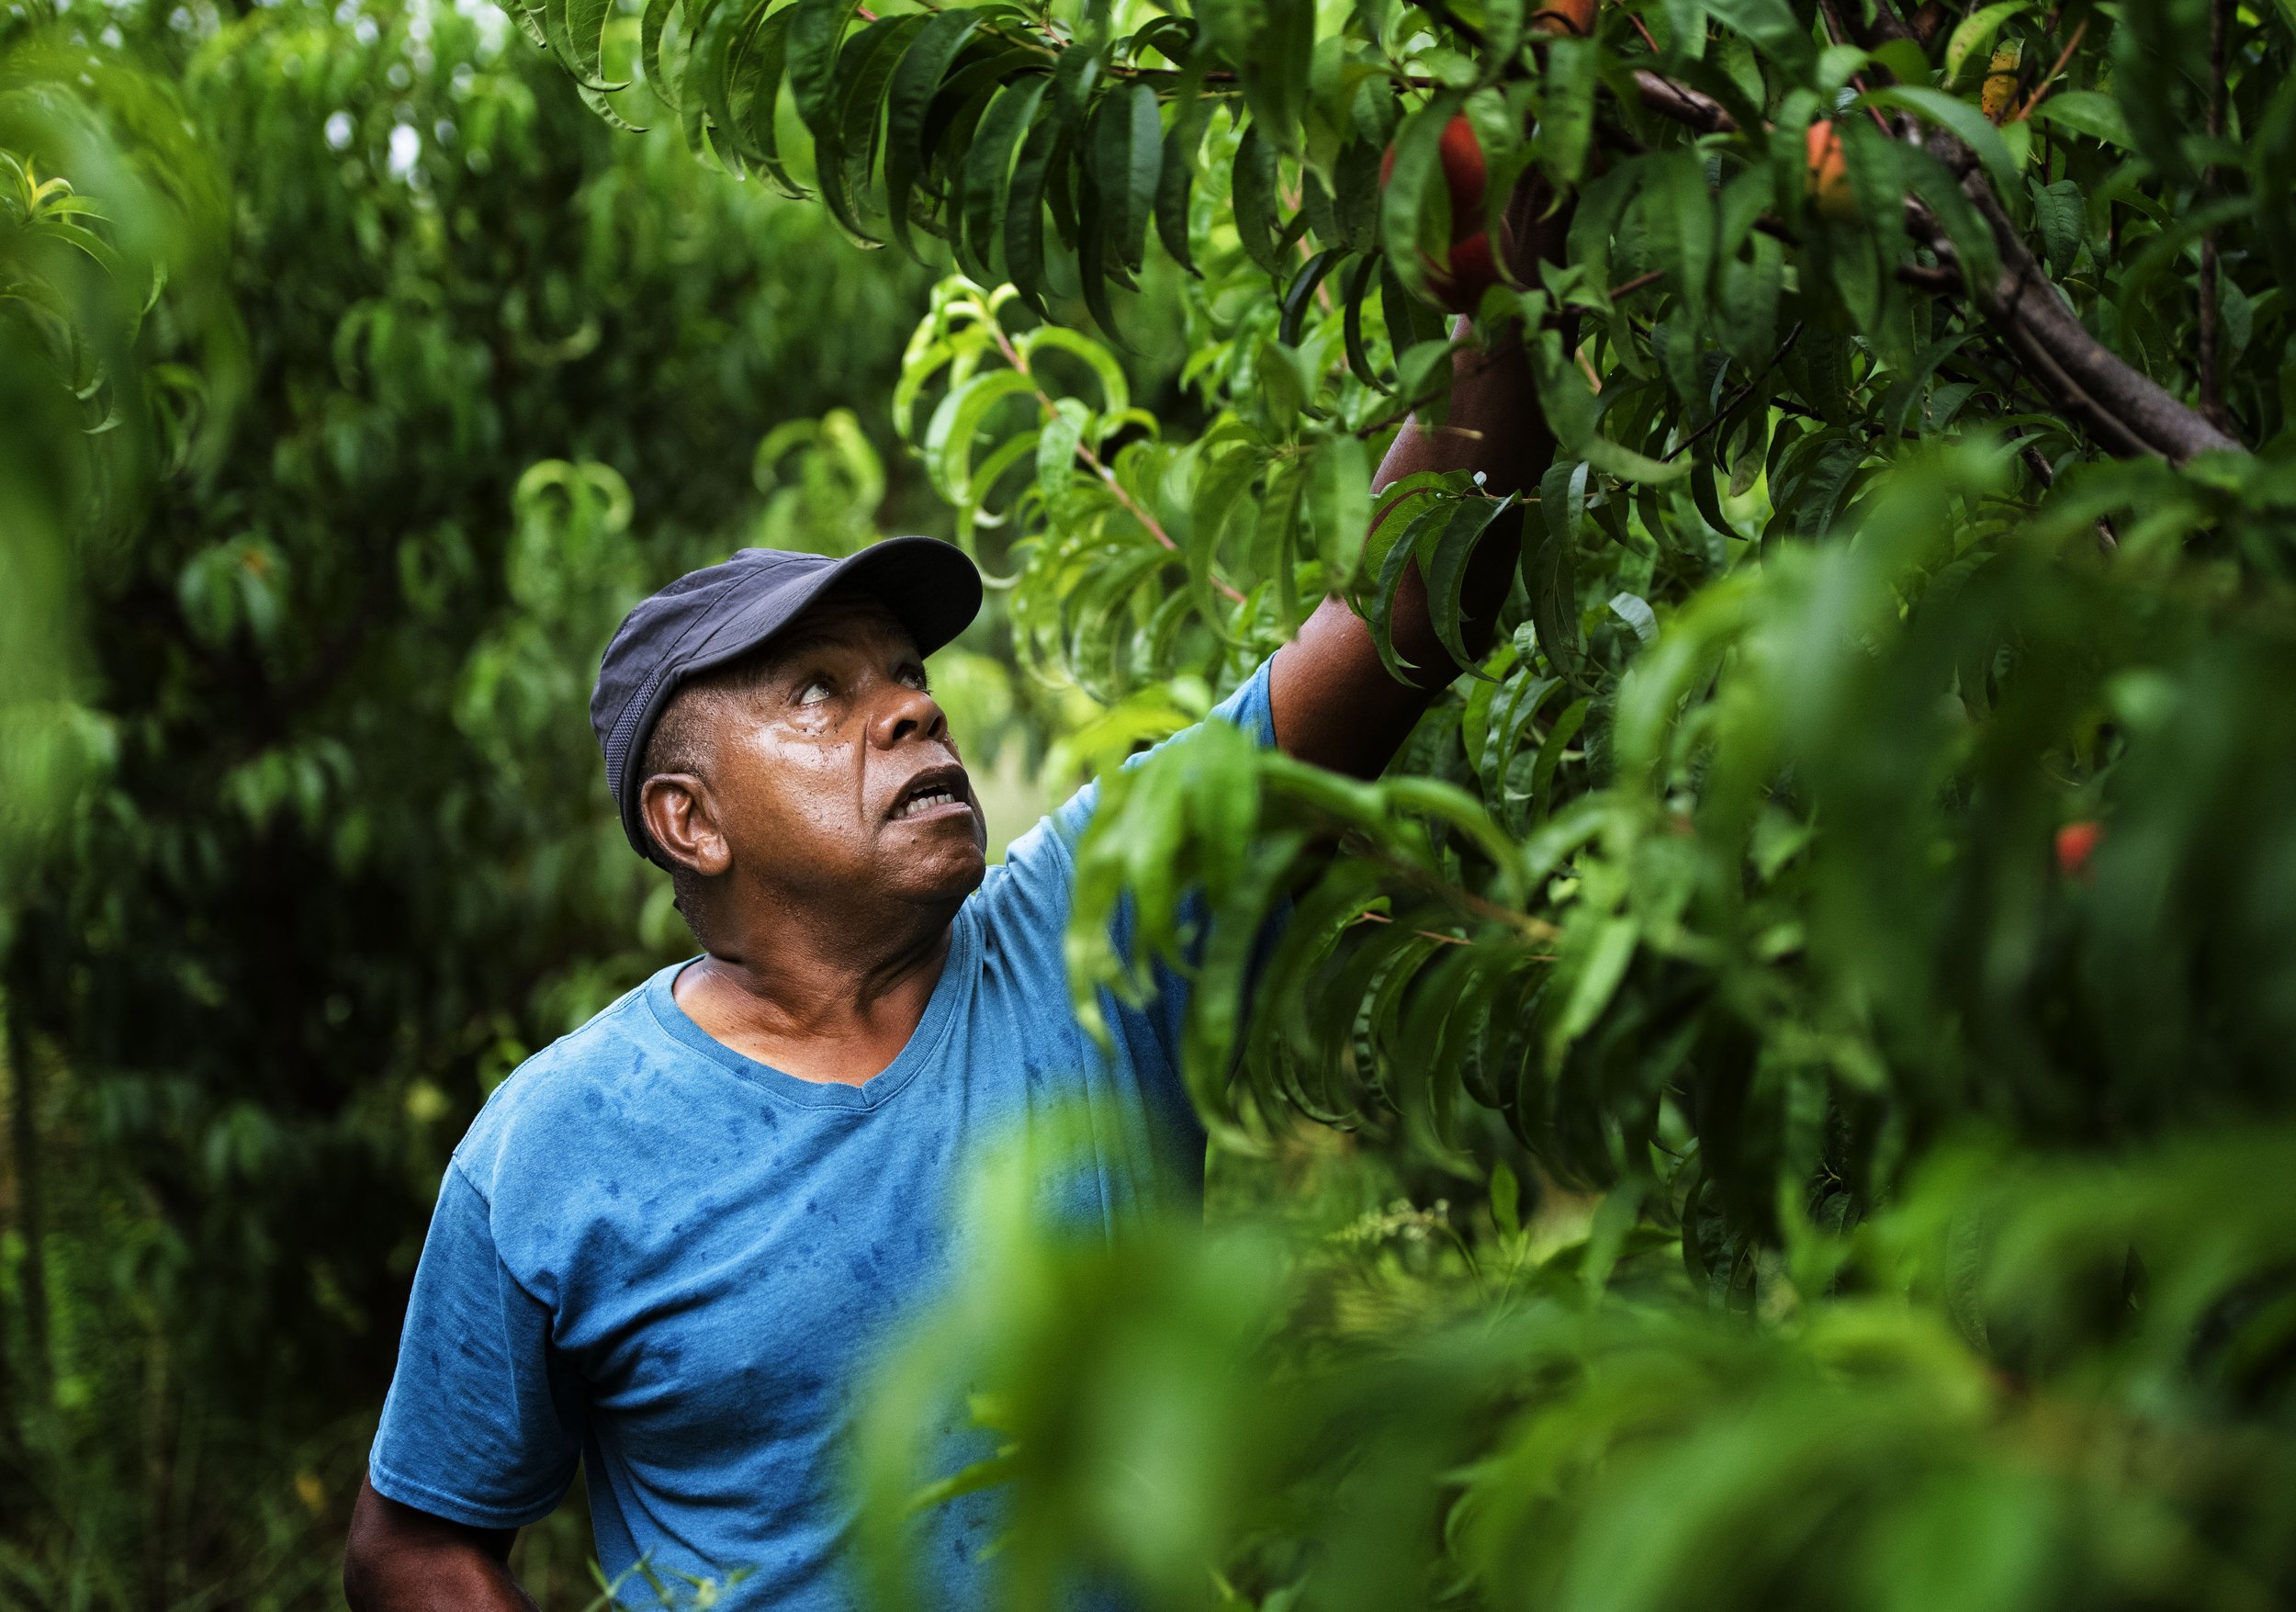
676	1264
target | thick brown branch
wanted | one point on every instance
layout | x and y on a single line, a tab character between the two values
1681	104
2024	304
2130	412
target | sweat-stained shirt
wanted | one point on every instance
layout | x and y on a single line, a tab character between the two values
677	1265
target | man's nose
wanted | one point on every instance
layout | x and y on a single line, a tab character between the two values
908	713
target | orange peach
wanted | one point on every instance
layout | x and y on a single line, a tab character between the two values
1830	189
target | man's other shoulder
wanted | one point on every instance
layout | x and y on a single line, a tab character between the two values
567	1093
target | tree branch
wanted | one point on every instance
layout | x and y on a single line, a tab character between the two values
2027	307
2127	409
1681	104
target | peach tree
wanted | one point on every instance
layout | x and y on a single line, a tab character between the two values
1837	941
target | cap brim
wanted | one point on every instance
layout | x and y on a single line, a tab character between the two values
932	588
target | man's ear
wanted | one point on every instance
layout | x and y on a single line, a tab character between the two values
678	812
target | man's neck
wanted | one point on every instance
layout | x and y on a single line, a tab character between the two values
819	1001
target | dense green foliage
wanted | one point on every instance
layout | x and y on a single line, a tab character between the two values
1705	1134
1732	886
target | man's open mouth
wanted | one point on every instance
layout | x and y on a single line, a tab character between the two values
933	790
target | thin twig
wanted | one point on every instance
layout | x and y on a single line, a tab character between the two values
1149	522
1737	397
1840	32
2049	79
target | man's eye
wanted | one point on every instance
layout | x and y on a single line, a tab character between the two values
914	678
813	690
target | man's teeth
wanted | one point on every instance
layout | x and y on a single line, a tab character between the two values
927	801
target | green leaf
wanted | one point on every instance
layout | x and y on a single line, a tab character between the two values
1271	44
2060	213
1444	555
987	165
1958	115
1302	291
1128	150
652	21
1219	486
1339	507
1974	35
816	30
705	50
1410	323
1183	148
1024	210
1275	536
1677	213
1550	752
1352	293
1636	612
1972	237
914	82
1506	1199
948	439
1771	25
1746	302
577	30
1392	569
1107	373
2272	169
874	54
1601	204
1572	410
708	68
1256	221
1566	124
1092	266
1355	195
763	87
2086	112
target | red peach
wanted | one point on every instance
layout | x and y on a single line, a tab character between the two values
2075	843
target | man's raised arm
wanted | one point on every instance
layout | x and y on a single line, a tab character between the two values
1334	704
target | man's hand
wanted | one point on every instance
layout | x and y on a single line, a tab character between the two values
1334	704
401	1560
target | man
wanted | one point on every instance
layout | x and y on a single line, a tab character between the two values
669	1241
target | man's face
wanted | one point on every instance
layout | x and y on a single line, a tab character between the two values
837	772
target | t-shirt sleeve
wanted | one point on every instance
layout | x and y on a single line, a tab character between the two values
482	1425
